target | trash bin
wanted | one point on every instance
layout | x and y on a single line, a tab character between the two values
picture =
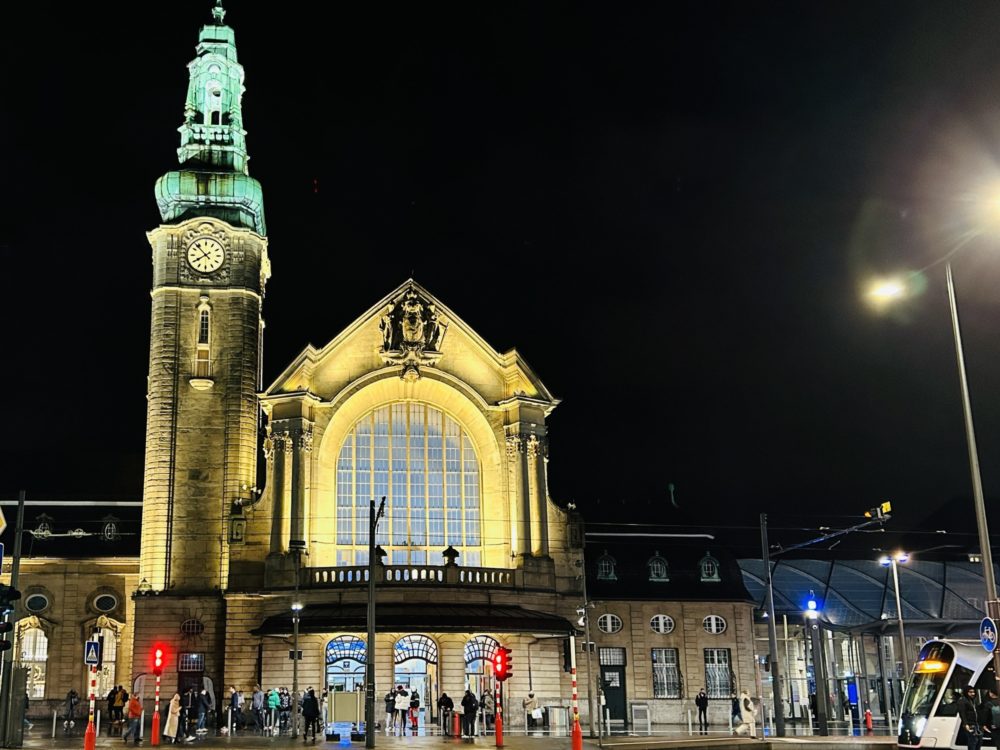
554	717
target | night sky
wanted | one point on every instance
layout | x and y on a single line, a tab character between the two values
669	209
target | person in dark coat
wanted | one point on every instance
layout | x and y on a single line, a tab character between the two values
969	716
390	710
310	712
469	708
445	706
701	701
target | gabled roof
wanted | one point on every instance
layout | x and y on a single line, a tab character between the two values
311	358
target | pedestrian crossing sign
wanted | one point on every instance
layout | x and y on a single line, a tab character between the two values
91	653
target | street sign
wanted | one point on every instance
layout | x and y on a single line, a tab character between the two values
988	634
92	653
1	552
3	521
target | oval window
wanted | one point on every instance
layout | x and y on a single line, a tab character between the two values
192	627
714	624
105	603
36	603
662	624
609	623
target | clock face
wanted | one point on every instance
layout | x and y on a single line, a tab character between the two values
205	255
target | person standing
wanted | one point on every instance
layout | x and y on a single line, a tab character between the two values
134	715
390	709
488	709
414	709
204	703
173	726
701	701
257	707
402	706
530	706
969	716
445	707
469	708
310	712
234	708
72	698
112	695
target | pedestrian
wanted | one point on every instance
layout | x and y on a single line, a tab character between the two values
445	708
134	716
989	713
310	712
748	715
486	701
187	712
203	703
284	707
121	700
173	726
257	707
234	708
701	701
402	706
531	710
273	701
469	708
27	724
112	695
969	716
72	698
390	709
414	709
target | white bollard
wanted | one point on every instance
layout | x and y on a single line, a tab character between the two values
690	727
98	723
770	717
142	722
229	721
55	719
809	718
730	722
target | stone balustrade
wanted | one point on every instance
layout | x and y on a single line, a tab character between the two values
411	575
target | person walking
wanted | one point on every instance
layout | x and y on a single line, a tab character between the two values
72	699
968	714
310	712
112	695
390	709
257	708
172	729
134	716
121	700
734	713
204	703
701	701
488	709
748	714
234	708
445	708
530	706
402	706
469	708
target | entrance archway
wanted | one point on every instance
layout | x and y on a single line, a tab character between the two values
416	668
479	651
346	656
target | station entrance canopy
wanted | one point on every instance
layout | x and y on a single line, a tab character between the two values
938	598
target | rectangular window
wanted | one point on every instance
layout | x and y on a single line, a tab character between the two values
471	475
435	479
418	517
718	675
203	327
666	673
189	661
398	503
363	478
345	473
612	657
453	485
202	363
380	487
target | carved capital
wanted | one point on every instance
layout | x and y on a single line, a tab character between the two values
305	441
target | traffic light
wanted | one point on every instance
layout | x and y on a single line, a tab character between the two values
501	664
8	595
6	643
157	660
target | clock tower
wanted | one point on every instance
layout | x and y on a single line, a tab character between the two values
210	266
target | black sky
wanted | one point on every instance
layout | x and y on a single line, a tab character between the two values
667	208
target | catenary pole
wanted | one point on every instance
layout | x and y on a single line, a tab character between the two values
772	633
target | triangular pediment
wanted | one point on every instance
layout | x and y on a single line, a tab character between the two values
412	332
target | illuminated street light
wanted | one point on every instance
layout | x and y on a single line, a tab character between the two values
887	289
811	614
892	561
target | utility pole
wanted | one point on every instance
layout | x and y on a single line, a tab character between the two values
370	656
7	675
772	634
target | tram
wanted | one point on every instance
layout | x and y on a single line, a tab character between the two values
929	716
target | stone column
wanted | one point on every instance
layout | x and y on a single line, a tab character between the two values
537	455
301	457
277	471
520	513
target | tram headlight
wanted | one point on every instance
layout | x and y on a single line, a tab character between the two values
921	723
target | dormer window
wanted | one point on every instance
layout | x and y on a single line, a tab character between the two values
709	567
606	568
657	568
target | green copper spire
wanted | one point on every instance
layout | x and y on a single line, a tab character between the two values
214	179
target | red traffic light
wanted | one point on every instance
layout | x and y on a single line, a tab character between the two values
501	664
158	660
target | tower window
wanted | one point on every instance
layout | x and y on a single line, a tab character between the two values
203	352
203	327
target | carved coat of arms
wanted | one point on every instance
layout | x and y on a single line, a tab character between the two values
412	333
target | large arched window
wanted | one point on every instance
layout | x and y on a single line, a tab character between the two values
346	656
424	464
34	655
109	659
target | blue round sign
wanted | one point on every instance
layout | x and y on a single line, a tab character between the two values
988	634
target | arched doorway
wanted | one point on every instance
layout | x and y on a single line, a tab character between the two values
479	651
346	656
416	666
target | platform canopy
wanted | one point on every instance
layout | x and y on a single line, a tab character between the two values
396	617
938	598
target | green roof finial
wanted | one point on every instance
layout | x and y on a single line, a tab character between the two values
219	13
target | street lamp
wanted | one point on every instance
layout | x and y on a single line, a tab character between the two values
296	609
811	615
891	561
894	289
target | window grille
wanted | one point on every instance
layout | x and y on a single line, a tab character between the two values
611	657
203	327
718	679
34	655
346	647
609	623
188	661
606	568
662	624
415	647
658	569
714	624
666	673
709	569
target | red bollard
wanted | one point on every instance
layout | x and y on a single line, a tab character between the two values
456	728
498	715
90	736
577	733
868	719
